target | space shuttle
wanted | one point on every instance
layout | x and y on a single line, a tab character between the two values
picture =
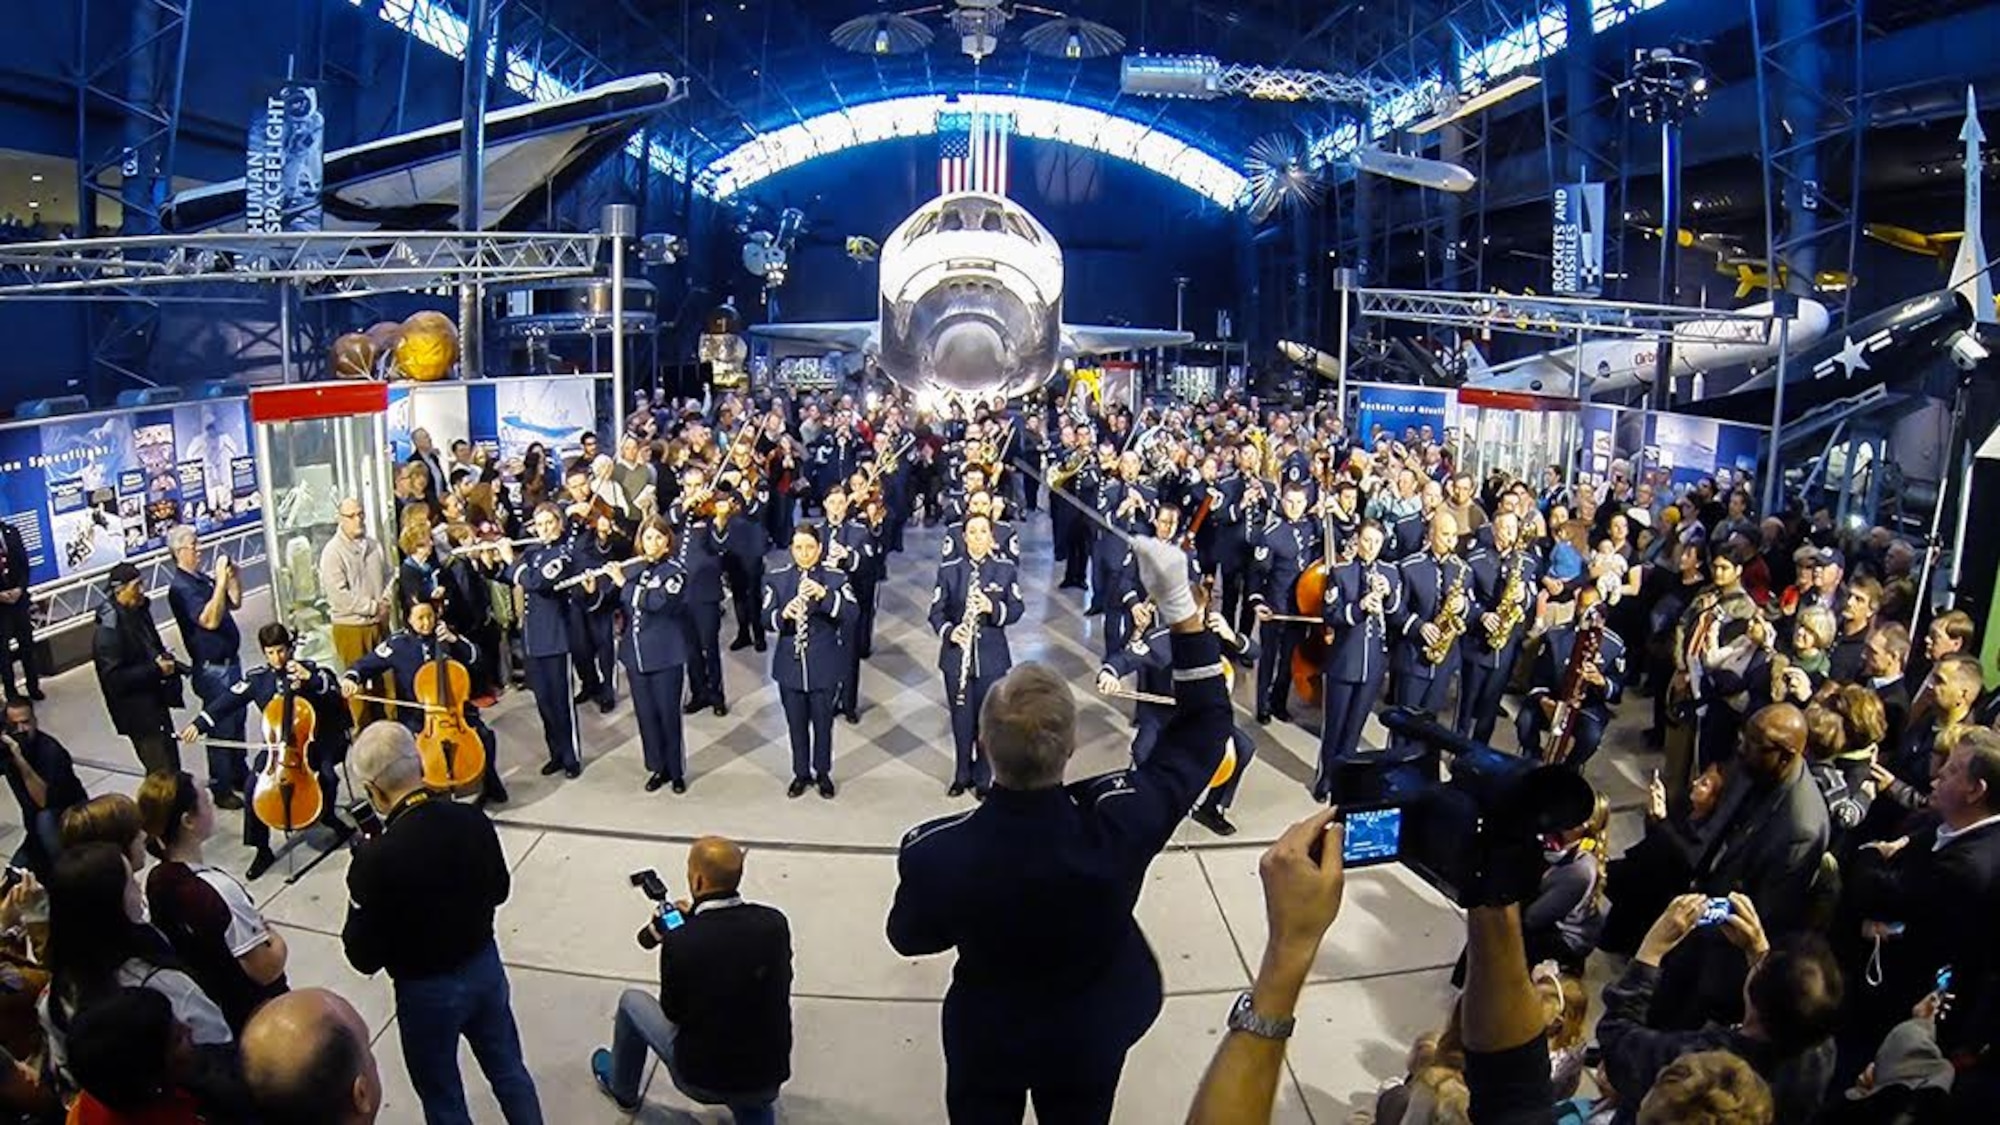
971	304
1608	366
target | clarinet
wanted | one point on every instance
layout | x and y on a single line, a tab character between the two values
971	621
799	635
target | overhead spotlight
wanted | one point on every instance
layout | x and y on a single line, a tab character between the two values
35	179
1073	46
34	203
882	41
1700	85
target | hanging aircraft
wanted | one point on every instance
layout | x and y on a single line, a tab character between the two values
1936	245
971	297
1439	174
411	181
1894	342
1752	274
1604	367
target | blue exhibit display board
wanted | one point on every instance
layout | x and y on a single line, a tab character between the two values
1671	450
1398	408
505	416
87	491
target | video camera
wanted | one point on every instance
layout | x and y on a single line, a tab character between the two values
666	917
1477	837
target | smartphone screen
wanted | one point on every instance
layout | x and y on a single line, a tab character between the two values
1944	979
1715	912
1373	836
670	916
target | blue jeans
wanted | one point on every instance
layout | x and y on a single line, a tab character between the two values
641	1025
470	1001
228	771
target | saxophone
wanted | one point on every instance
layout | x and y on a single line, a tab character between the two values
970	619
1450	625
1512	608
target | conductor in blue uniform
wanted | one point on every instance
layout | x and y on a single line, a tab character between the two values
976	597
1035	888
1362	597
804	603
653	644
545	636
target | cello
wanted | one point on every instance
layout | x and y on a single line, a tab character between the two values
453	754
287	796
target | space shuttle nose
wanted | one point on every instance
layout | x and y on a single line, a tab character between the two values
968	355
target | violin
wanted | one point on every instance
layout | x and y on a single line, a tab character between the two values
286	795
452	753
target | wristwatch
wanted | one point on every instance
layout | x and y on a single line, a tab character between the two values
1242	1018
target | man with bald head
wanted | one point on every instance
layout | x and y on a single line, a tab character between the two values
722	1022
1764	839
306	1061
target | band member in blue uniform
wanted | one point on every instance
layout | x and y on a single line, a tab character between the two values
1148	659
1363	595
397	661
1243	505
699	552
848	546
593	609
804	603
1279	552
545	636
1603	680
976	597
739	529
282	671
1127	503
1074	470
1006	541
1034	888
1437	586
1503	585
653	645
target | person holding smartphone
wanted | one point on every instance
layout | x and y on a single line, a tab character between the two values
722	1021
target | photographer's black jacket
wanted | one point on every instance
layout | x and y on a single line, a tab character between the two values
726	982
420	899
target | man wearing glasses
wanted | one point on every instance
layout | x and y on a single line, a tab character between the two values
354	574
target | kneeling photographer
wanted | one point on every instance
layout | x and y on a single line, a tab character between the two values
722	1022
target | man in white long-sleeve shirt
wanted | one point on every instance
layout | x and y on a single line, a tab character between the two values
354	574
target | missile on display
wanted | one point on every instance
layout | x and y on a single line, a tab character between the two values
1415	170
971	300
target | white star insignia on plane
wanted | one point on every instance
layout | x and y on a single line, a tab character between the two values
1852	357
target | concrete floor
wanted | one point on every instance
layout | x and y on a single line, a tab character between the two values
866	1019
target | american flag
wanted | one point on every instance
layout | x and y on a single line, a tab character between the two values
972	152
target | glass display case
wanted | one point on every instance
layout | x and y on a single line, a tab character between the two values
317	443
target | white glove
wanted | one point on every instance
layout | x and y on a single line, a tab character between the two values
1163	569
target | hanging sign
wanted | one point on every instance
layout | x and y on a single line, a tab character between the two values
1577	256
284	163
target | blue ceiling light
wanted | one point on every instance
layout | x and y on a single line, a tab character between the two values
1046	119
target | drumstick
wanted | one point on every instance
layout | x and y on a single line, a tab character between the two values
1298	617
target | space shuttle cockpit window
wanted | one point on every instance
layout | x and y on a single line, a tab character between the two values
953	220
1023	231
990	222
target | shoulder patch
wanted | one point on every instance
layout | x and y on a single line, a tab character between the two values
930	829
385	650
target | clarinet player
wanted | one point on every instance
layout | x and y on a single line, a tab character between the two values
804	603
976	597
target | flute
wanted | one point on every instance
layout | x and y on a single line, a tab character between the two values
599	572
491	545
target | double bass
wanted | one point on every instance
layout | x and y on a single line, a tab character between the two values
286	795
1309	598
454	757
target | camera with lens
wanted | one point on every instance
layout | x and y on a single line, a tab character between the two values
666	915
1468	819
